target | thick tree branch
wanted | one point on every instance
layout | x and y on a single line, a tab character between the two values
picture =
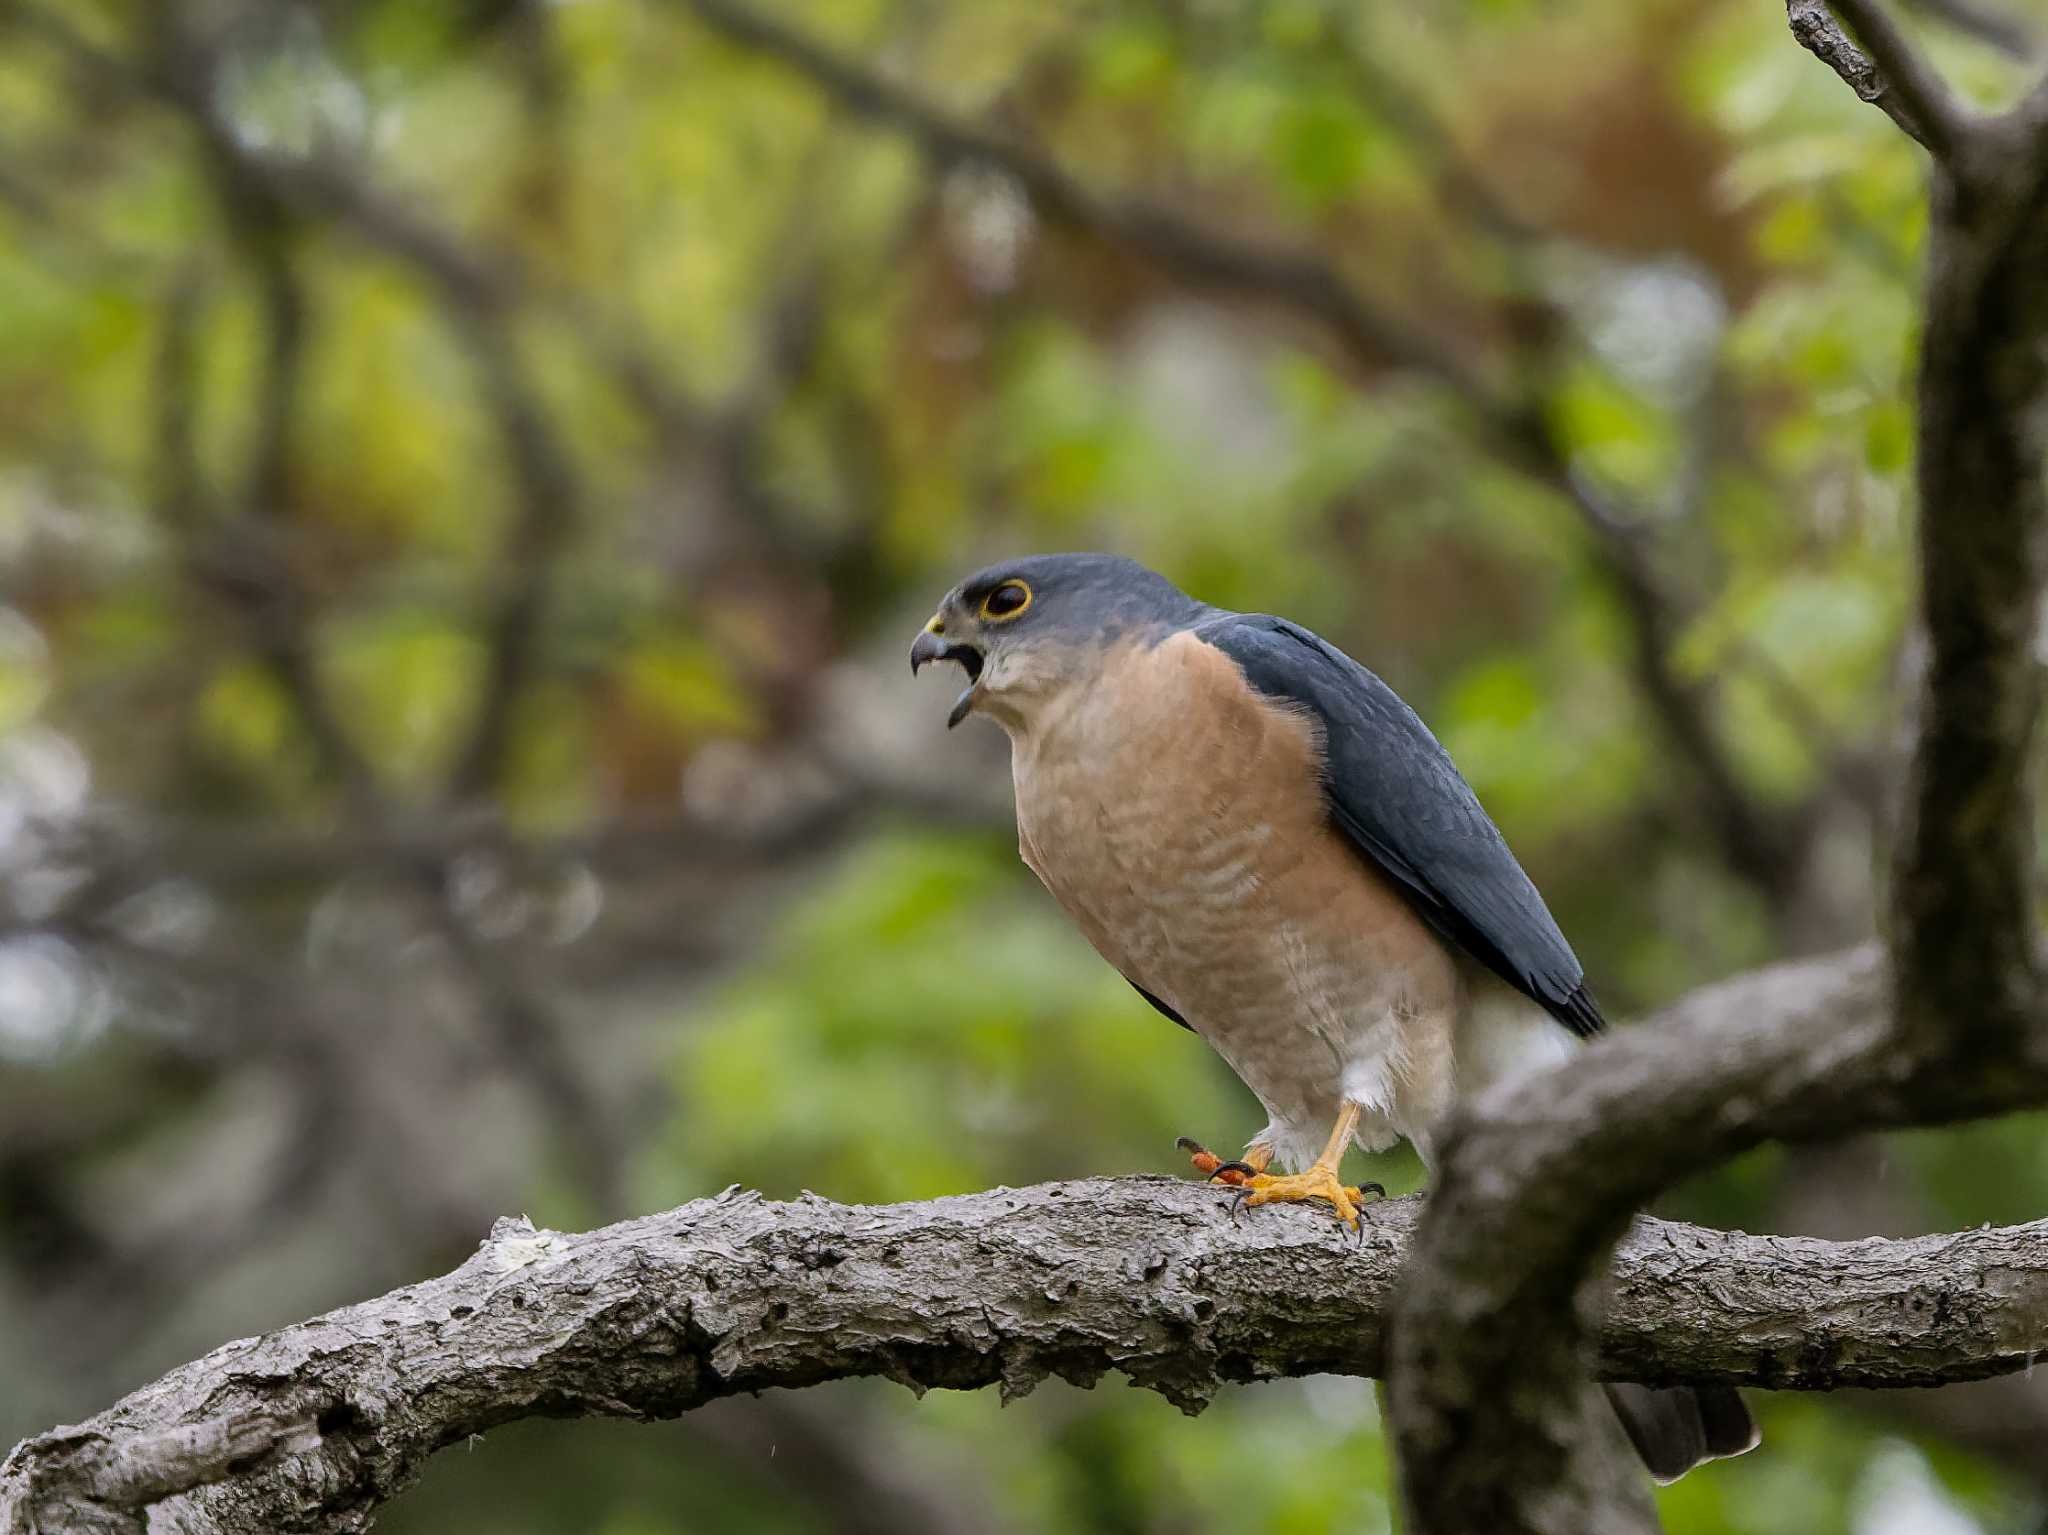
1487	1356
1963	918
1151	1277
83	1480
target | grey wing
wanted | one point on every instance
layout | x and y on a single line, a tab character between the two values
1395	792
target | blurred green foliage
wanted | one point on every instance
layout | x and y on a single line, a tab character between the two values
800	376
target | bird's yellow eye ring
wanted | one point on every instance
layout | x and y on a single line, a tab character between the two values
1006	601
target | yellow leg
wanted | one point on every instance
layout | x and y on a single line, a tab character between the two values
1319	1180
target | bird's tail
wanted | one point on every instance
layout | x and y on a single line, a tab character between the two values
1675	1428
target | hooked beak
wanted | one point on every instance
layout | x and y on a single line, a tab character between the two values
931	645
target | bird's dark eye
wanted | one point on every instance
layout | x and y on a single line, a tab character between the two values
1006	601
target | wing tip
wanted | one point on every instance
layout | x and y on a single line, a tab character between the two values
1580	1013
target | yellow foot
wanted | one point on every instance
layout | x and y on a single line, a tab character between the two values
1319	1182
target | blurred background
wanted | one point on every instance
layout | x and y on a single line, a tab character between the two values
470	471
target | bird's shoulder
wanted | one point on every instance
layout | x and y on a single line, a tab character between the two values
1288	662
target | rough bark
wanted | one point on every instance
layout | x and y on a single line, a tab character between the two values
1963	921
313	1427
1487	1355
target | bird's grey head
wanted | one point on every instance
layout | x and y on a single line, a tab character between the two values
1026	630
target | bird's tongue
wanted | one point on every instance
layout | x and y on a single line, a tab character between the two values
962	706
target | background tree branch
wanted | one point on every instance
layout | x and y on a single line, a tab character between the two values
1905	75
1990	24
1818	31
1762	845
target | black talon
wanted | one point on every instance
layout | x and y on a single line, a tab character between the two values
1190	1145
1235	1166
1237	1204
1378	1191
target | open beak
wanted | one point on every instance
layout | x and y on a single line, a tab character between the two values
931	646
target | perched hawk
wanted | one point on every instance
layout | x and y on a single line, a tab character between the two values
1274	850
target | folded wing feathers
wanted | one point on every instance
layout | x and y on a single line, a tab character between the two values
1396	793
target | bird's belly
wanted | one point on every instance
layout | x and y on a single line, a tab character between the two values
1228	895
